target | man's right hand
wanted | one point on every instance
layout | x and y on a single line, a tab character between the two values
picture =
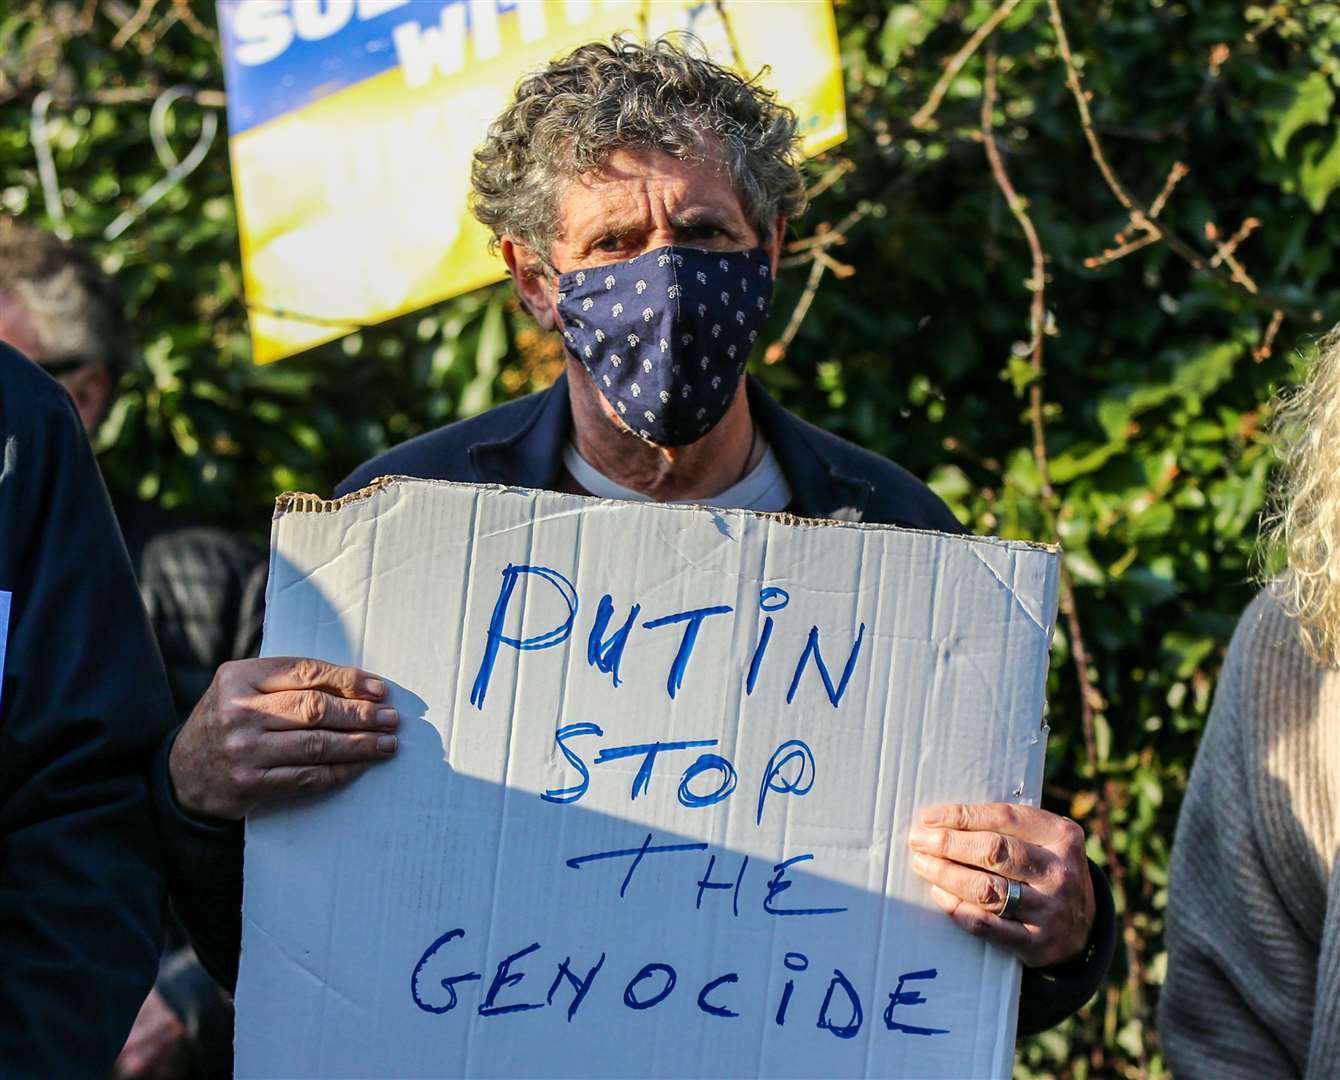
278	727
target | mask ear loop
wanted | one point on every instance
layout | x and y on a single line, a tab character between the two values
177	170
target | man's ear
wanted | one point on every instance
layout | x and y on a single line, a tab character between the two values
775	245
533	284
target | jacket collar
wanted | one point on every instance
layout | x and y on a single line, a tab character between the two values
531	455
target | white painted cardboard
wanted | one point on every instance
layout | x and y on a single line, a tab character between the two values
419	922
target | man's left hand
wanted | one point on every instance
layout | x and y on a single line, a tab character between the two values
970	854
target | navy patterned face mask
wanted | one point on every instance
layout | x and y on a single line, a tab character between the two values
666	335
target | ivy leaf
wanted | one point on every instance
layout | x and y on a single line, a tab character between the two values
1320	174
1311	104
907	26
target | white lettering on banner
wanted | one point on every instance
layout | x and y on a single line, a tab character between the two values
441	47
320	19
484	29
265	28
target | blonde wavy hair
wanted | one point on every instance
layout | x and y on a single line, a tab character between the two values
1301	532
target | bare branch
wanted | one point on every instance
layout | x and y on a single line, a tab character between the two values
778	348
1091	703
1142	219
922	117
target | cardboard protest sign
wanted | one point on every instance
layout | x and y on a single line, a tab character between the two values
650	808
352	124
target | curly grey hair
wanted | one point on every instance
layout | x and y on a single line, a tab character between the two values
569	118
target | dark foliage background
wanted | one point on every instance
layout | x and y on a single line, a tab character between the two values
1157	373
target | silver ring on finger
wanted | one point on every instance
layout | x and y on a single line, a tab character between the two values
1009	907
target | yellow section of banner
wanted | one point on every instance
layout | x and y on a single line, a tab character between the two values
353	209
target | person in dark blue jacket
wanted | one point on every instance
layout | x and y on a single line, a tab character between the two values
83	703
638	195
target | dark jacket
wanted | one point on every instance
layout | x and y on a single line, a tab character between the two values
83	703
521	444
203	590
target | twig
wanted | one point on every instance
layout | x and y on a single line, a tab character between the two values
1113	254
778	348
1037	282
1268	338
1175	176
1224	251
1141	218
123	95
831	177
186	15
922	117
134	23
825	236
1090	701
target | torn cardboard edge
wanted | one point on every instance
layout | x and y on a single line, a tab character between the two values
301	502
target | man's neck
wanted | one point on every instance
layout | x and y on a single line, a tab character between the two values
683	473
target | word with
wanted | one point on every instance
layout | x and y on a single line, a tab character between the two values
776	885
605	649
266	28
841	1012
790	770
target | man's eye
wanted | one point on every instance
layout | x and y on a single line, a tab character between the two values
609	243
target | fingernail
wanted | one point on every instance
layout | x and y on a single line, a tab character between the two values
932	815
919	837
386	743
375	687
920	863
388	718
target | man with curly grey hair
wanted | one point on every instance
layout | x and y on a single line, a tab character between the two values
638	195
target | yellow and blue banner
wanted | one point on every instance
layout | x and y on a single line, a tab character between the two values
353	122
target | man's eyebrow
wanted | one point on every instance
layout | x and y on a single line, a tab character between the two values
697	216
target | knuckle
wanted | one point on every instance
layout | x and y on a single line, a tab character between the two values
310	778
236	744
306	670
313	746
998	852
988	893
311	709
1072	833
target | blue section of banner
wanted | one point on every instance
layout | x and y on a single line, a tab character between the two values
281	55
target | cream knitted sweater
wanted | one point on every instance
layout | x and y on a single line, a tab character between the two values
1253	987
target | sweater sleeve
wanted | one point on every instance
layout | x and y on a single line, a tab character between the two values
82	704
1225	1011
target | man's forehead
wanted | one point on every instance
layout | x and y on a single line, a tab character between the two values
688	191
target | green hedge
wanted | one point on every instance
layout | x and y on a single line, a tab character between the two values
1156	373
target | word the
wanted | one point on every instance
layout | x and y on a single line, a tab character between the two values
776	885
840	1013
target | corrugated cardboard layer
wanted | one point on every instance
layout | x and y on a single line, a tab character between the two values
364	908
